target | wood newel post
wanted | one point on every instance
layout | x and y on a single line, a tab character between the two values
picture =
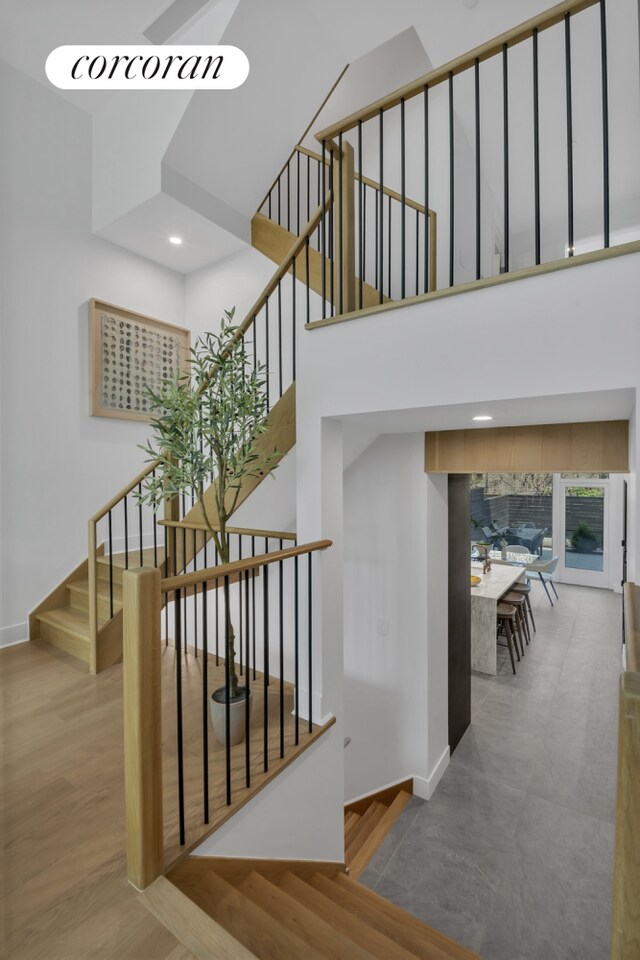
625	921
344	223
142	725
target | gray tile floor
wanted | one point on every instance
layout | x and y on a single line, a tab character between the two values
513	854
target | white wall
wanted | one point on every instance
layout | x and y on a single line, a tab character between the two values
387	667
59	464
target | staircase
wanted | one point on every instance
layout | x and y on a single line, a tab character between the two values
368	821
288	911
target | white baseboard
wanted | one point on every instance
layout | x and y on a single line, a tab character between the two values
18	633
425	787
422	787
385	786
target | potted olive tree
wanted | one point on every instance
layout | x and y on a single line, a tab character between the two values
207	425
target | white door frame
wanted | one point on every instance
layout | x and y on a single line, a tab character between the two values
586	578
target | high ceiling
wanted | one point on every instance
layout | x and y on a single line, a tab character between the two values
30	29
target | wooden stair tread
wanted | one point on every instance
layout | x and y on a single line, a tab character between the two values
72	621
374	941
368	823
350	819
250	923
360	823
119	560
102	589
192	926
416	937
376	834
307	924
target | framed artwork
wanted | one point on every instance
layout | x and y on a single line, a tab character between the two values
130	352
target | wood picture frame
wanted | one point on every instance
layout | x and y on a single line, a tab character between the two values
128	352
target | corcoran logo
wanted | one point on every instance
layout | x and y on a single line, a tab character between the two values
76	67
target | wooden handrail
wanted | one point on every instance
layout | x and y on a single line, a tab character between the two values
632	625
125	490
373	184
486	50
187	580
199	525
284	267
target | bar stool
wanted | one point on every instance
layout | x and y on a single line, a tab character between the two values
517	600
506	617
525	590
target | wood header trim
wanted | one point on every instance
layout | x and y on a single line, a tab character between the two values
590	447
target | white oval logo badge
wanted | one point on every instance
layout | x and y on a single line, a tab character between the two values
128	67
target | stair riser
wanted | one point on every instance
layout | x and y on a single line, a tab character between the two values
79	600
59	638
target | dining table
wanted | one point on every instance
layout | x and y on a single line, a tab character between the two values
484	603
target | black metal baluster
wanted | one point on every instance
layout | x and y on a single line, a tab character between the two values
478	180
293	318
451	182
417	251
255	345
605	123
289	194
268	369
247	683
265	654
178	647
155	532
110	565
361	213
195	594
567	49
296	635
381	204
308	190
427	285
279	179
331	236
253	606
364	241
279	339
126	534
269	203
505	137
306	256
389	246
323	236
310	641
340	229
377	236
227	683
318	203
140	522
184	605
205	694
240	606
281	651
216	563
536	147
298	193
403	191
166	598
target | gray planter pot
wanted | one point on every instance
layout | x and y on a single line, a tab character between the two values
237	715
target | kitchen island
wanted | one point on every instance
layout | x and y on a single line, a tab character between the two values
484	603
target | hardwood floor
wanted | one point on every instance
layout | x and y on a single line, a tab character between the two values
64	893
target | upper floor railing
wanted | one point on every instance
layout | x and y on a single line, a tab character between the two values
513	144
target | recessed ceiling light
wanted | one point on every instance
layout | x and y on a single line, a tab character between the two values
483	416
175	240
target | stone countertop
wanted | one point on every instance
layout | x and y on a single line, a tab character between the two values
496	582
